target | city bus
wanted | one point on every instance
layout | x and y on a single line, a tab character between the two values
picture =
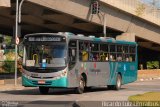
66	60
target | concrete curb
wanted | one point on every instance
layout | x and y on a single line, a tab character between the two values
1	82
149	79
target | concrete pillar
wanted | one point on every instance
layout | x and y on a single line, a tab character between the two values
5	3
126	37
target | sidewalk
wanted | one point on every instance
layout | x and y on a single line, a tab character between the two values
8	87
146	75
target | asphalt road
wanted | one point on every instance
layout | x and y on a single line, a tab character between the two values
67	98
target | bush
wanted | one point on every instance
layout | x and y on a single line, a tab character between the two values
153	65
8	66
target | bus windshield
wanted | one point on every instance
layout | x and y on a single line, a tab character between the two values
45	55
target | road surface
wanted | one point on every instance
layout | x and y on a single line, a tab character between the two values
67	97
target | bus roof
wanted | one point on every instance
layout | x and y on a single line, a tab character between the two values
69	35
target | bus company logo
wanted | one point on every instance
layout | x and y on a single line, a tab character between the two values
95	70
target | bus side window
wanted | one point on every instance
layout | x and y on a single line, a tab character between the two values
132	51
119	57
132	57
84	51
84	55
119	52
95	52
104	52
112	56
126	53
72	53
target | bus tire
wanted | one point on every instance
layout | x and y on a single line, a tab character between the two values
118	82
44	90
88	88
80	88
110	87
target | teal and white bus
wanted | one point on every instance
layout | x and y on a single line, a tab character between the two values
66	60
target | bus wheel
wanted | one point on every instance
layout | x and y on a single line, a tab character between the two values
88	88
80	88
118	82
110	87
44	90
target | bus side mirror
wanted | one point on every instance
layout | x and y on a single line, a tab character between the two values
20	50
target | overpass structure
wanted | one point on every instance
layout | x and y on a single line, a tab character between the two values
124	19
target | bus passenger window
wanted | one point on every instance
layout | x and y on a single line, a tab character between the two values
126	49
119	48
90	57
112	57
104	47
96	57
84	55
130	59
84	48
132	49
72	54
107	57
119	57
102	57
127	58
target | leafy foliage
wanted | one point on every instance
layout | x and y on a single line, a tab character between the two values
7	40
10	55
153	65
9	66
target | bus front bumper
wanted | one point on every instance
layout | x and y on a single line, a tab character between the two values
60	82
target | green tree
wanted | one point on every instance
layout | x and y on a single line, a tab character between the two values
153	65
7	40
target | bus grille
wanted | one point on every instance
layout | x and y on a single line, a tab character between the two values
41	77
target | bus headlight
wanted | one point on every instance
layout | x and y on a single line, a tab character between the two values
64	73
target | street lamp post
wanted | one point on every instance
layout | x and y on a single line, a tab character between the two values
18	20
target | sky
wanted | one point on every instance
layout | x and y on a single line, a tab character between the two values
151	1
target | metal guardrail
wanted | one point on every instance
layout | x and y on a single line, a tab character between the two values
137	8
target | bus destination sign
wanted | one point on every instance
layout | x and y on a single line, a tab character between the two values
46	39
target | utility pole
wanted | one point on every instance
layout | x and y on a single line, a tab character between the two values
18	20
104	25
16	35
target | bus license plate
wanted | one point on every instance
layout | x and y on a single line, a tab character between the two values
41	82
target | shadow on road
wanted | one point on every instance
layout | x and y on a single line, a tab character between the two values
54	91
